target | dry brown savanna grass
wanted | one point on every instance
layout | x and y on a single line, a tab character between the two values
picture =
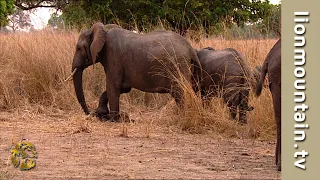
33	67
162	143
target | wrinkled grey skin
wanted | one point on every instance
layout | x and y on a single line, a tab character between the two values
226	74
147	62
272	66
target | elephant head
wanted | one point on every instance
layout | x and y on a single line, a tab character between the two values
89	44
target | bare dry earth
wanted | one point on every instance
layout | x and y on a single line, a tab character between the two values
78	147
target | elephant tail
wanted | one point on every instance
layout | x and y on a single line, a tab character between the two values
263	73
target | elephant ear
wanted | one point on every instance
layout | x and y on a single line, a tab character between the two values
98	40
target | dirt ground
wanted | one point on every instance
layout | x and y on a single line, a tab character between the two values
76	147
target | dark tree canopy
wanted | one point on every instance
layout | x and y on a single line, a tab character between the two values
31	4
176	14
179	15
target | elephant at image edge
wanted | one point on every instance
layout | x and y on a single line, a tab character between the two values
226	74
148	62
272	66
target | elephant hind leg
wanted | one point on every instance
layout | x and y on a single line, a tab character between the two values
102	111
177	94
178	97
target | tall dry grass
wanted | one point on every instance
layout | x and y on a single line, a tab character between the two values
33	67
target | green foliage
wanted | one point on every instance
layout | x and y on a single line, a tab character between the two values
272	21
211	17
180	15
56	21
80	14
6	9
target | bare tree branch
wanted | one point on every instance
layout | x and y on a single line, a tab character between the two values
27	5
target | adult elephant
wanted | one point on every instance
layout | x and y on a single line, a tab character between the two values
227	75
272	66
153	62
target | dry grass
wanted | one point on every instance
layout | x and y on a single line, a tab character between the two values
33	68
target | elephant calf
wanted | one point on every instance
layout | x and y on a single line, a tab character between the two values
226	74
272	66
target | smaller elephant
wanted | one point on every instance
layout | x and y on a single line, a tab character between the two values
272	66
227	75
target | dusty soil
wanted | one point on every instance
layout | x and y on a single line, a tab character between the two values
76	147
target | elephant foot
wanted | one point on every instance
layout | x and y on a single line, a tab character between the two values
121	117
232	116
106	117
243	123
279	165
102	111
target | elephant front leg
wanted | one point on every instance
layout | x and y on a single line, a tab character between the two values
278	146
232	112
244	106
232	103
114	98
276	96
103	111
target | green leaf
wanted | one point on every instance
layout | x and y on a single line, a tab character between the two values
15	160
15	152
19	145
27	164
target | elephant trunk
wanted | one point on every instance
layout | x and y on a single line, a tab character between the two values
77	82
